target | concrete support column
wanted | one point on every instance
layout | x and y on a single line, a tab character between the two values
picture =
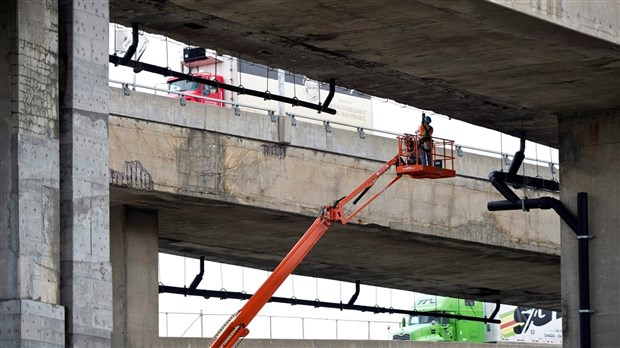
134	261
30	314
589	160
86	274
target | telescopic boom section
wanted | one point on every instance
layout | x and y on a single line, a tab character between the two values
237	326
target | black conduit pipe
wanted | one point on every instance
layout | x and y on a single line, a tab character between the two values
332	91
518	158
139	66
498	180
584	269
579	225
519	181
537	203
198	277
316	303
134	44
495	310
357	292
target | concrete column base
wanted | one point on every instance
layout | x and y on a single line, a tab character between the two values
28	323
134	251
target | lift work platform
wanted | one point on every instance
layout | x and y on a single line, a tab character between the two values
439	163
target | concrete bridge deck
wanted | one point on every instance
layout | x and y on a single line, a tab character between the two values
243	189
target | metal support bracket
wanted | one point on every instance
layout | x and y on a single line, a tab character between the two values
272	114
459	150
553	168
507	160
360	132
328	126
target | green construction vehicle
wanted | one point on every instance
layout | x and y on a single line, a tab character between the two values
433	328
518	324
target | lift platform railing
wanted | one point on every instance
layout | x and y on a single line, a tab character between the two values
441	164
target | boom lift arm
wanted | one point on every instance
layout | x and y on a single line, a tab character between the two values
237	325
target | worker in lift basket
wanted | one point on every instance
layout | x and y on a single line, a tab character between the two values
425	145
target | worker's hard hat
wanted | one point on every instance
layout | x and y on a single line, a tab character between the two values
427	119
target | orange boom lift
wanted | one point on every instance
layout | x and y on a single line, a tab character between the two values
406	162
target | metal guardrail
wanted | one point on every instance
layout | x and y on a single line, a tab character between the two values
506	157
182	324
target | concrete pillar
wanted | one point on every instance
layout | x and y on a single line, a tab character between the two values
589	149
86	274
30	314
134	263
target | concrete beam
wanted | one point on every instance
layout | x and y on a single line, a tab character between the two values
213	175
600	19
472	60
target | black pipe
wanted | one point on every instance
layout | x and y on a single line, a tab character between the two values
134	44
519	156
495	310
214	83
357	292
578	224
537	203
198	277
332	91
498	181
584	271
519	181
315	303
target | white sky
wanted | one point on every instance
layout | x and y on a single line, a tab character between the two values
176	271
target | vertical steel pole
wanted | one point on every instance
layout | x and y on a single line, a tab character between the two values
202	334
336	328
584	270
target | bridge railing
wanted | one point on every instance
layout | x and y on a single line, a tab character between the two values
181	324
130	87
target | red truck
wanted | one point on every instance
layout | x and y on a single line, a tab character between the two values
190	89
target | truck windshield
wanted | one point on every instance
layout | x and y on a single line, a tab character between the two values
182	85
427	319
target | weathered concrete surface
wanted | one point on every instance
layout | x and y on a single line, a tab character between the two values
590	149
600	19
30	314
225	189
86	287
133	239
472	60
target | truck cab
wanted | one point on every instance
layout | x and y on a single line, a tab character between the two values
193	91
430	327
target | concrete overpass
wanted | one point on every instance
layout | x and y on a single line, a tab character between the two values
201	181
243	189
475	61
